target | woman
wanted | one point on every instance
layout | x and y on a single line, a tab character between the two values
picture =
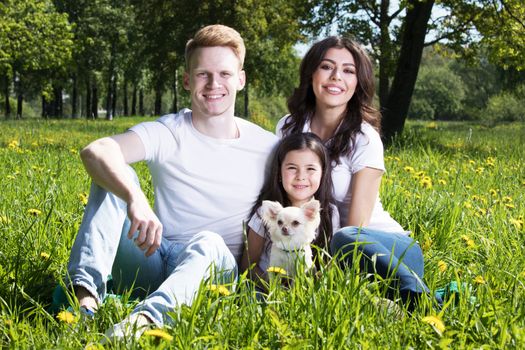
334	101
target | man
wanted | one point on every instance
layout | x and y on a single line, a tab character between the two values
207	167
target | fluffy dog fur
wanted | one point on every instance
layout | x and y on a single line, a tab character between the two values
291	231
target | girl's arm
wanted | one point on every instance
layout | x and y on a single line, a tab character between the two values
365	188
251	255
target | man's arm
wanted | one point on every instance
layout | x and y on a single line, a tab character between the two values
106	162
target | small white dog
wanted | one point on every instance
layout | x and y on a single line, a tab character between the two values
291	229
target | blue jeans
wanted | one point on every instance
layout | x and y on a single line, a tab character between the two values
168	278
390	255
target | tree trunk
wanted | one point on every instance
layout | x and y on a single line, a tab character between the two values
44	113
114	97
134	101
246	100
385	47
19	105
57	102
158	100
413	39
94	101
108	98
74	98
7	111
174	106
88	99
125	97
141	102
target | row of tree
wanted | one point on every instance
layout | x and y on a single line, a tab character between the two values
111	50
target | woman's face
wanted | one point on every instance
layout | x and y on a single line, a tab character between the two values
335	79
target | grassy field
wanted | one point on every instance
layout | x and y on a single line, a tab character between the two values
460	188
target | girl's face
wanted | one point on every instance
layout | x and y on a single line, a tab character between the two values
335	79
301	173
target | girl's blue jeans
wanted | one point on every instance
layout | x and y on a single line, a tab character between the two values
168	278
390	255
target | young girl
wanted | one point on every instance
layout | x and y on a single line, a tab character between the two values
334	100
299	171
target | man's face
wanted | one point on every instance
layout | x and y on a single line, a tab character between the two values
213	80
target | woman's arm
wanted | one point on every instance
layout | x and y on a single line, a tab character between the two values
365	188
251	255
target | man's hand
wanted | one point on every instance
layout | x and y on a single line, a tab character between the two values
144	220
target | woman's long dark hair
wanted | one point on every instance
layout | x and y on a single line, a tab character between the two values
273	189
301	104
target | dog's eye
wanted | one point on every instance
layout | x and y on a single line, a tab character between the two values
295	223
279	222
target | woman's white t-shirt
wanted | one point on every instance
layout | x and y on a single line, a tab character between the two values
367	153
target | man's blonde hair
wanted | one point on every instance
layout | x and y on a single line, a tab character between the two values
216	35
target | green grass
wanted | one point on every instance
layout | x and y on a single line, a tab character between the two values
460	188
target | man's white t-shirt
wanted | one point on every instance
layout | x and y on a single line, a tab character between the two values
367	153
203	183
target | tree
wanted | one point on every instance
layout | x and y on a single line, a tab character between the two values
35	44
397	38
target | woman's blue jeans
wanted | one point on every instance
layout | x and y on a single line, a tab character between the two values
168	278
390	255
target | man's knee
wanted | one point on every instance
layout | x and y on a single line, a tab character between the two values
344	239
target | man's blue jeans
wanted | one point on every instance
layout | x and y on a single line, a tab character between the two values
390	255
168	278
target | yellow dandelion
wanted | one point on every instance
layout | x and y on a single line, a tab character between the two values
482	211
518	223
4	219
435	322
442	266
468	187
409	169
509	205
219	289
34	212
523	182
83	198
397	159
471	162
432	125
34	144
480	170
446	172
490	161
45	255
277	270
10	177
66	317
493	192
73	150
467	205
479	280
13	144
159	333
507	199
442	182
468	241
426	182
94	346
420	173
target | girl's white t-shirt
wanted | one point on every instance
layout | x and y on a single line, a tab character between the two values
367	153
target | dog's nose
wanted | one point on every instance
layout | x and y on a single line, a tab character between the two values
285	230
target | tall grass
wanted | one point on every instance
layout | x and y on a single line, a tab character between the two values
460	189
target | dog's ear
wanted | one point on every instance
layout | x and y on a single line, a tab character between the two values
311	209
269	210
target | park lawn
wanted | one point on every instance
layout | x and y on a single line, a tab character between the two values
459	187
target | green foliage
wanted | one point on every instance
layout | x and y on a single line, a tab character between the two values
505	107
458	187
438	94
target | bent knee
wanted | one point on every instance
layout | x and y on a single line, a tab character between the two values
345	237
